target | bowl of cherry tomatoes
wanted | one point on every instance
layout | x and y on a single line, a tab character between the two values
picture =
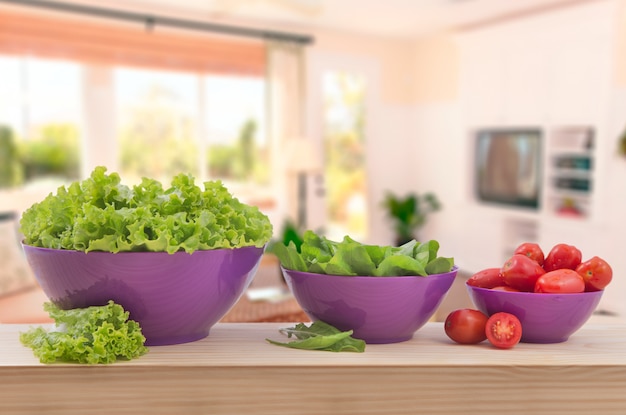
552	295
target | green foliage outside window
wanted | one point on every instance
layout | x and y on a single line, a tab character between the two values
52	150
221	159
163	157
243	160
10	171
345	152
156	138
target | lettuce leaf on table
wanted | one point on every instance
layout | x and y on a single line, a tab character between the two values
319	255
320	336
102	214
92	335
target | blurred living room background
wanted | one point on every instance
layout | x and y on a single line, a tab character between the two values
317	110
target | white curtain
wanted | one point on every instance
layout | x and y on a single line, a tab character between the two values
286	113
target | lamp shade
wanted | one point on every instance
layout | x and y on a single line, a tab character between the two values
302	156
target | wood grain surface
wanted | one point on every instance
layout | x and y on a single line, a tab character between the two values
235	371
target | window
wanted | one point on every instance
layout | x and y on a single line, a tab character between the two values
210	126
155	102
344	144
40	109
238	150
167	122
153	121
157	119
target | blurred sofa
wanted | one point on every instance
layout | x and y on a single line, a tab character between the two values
21	298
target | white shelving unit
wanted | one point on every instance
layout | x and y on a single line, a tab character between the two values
569	172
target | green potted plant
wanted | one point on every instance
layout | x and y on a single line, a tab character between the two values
408	214
290	232
622	143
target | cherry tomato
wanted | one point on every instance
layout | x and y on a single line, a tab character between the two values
562	256
521	272
531	250
596	273
487	278
560	281
506	288
466	326
503	330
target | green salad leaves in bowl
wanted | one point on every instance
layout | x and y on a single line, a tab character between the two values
176	258
320	255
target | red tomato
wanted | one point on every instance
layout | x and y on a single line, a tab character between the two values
503	330
466	326
562	256
521	272
560	281
596	273
506	288
532	251
487	278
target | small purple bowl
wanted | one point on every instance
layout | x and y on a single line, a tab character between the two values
377	309
176	298
545	318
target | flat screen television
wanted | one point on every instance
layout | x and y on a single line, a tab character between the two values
508	166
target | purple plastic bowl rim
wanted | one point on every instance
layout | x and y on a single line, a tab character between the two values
536	295
41	248
454	269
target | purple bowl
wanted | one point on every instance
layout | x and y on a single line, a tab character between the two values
176	298
377	309
545	318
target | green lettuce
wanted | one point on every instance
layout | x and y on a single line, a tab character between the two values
92	335
102	214
320	255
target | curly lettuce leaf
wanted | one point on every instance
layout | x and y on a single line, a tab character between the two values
348	257
92	335
320	336
102	214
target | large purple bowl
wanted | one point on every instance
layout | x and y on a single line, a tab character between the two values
176	298
377	309
545	318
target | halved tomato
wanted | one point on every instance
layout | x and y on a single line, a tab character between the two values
503	330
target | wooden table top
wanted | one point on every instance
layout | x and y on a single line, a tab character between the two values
235	371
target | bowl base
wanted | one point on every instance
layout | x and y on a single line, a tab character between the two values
543	341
